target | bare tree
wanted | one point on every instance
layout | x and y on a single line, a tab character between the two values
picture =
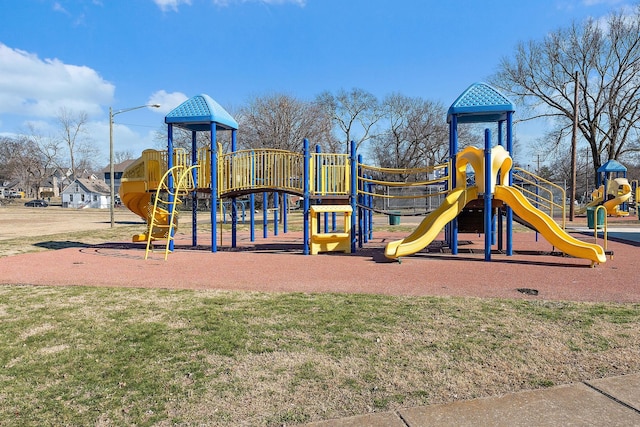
417	135
9	155
121	156
606	55
282	121
354	112
74	135
23	161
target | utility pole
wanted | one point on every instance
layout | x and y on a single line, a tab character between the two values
574	137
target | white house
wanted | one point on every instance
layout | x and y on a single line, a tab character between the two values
86	193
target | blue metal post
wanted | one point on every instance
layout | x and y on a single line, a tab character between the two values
453	152
276	203
498	220
194	193
360	203
354	189
370	204
234	206
305	197
487	195
509	211
285	207
265	218
252	198
214	189
252	206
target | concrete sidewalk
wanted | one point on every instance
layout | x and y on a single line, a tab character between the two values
609	401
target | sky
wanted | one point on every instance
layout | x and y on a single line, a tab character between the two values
90	55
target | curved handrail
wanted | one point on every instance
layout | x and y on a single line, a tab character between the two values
535	181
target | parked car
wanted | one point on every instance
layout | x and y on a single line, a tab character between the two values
37	204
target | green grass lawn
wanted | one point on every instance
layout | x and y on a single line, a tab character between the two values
109	356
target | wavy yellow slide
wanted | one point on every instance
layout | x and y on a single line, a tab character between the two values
432	224
597	199
135	197
624	195
546	226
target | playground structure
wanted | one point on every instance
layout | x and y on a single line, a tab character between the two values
333	185
613	192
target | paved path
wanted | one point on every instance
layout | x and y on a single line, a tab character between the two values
610	401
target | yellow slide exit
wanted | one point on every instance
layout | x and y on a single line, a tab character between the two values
432	224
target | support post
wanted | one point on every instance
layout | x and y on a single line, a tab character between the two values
509	211
194	193
354	189
487	195
252	206
305	197
265	215
360	202
453	151
214	189
234	204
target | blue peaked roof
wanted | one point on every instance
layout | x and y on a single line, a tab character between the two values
198	113
612	166
480	103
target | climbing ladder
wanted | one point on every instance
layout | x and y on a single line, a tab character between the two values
163	222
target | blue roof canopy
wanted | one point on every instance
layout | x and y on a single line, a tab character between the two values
612	166
480	103
198	113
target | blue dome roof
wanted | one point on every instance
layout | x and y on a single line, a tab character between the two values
480	103
198	113
612	166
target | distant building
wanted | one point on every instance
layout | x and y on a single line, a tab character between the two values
86	193
118	169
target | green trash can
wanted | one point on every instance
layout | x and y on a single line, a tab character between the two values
591	215
394	218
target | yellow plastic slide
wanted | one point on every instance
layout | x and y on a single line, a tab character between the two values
546	226
623	190
596	196
135	197
432	224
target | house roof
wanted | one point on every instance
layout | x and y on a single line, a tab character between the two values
90	186
118	167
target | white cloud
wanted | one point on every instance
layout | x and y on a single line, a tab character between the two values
30	86
167	101
125	139
604	2
300	3
172	5
166	5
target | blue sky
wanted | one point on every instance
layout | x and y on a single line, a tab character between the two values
88	55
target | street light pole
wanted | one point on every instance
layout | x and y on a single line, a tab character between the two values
112	187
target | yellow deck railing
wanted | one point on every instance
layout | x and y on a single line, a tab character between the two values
261	169
329	174
257	170
540	193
